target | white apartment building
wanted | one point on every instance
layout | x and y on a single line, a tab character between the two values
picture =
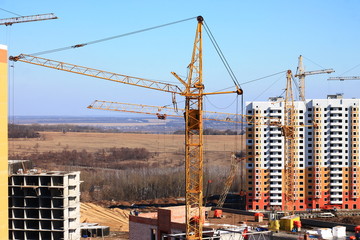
327	170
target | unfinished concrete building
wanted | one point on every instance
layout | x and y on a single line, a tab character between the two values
44	205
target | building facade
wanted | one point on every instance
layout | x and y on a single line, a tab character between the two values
44	205
326	154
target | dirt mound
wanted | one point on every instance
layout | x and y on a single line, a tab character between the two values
116	219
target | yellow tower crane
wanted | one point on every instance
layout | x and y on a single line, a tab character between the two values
23	19
193	93
288	131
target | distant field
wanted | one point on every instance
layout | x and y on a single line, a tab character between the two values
169	149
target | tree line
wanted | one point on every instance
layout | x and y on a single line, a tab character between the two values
148	183
34	130
103	158
211	131
21	131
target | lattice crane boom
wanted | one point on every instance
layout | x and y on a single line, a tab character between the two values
229	180
164	112
23	19
345	78
91	72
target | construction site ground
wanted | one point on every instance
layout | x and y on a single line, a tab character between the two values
118	219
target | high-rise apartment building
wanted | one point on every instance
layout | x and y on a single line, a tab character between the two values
326	154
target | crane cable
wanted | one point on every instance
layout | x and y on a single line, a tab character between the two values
224	89
110	38
313	62
267	88
297	88
221	55
11	12
350	70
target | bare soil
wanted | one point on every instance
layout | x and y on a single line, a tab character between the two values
168	152
167	149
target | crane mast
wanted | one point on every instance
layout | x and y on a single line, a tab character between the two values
288	130
301	75
32	18
194	140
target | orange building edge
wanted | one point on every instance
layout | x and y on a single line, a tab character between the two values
4	231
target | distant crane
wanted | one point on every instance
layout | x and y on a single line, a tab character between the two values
163	112
300	73
32	18
345	78
234	167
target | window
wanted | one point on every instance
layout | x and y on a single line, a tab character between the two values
153	234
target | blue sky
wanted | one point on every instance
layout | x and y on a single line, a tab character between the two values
258	38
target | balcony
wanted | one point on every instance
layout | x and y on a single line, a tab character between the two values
336	160
276	174
336	190
336	195
335	184
278	150
277	191
278	203
276	161
336	201
275	182
279	197
275	167
336	178
336	117
336	154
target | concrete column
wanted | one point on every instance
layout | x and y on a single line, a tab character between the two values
3	141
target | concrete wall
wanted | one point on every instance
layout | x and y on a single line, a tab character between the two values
141	231
3	142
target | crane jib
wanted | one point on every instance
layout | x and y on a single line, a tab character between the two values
120	78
